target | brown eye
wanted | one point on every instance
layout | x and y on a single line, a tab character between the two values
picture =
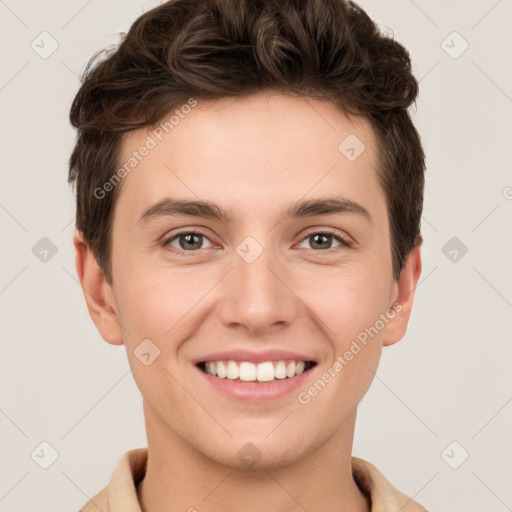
189	241
323	240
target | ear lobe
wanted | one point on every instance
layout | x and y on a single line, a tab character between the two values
402	305
97	292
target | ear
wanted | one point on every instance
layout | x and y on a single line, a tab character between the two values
404	295
98	293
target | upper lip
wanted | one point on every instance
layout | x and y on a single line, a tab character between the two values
253	356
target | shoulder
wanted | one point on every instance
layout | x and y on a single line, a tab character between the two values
121	492
98	502
384	497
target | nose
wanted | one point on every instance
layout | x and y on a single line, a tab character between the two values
257	296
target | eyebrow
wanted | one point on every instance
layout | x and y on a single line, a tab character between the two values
302	208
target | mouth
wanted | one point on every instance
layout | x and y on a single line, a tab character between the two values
247	371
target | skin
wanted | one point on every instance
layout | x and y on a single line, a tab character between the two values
254	156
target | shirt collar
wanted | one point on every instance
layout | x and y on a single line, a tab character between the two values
121	493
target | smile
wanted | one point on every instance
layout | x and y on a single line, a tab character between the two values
246	371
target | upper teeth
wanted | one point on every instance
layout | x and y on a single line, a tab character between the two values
247	371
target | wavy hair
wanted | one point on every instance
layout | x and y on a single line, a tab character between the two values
323	49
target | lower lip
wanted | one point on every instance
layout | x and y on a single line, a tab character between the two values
257	392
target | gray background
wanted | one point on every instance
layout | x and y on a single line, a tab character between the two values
448	380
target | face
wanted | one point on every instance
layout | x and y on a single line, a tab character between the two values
297	268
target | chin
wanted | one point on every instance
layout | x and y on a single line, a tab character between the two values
257	453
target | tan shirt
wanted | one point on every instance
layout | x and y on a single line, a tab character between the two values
120	495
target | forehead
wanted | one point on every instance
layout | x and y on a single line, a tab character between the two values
249	151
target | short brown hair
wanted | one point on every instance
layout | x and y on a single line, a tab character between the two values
208	49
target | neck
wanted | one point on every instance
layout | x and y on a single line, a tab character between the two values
179	475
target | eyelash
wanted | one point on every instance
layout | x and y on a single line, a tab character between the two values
343	241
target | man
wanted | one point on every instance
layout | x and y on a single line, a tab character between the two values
249	194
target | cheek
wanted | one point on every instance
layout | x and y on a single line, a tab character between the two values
349	309
153	310
347	300
154	302
165	305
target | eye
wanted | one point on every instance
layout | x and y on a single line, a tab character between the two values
192	241
322	240
188	241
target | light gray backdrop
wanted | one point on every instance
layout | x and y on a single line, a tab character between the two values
438	417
